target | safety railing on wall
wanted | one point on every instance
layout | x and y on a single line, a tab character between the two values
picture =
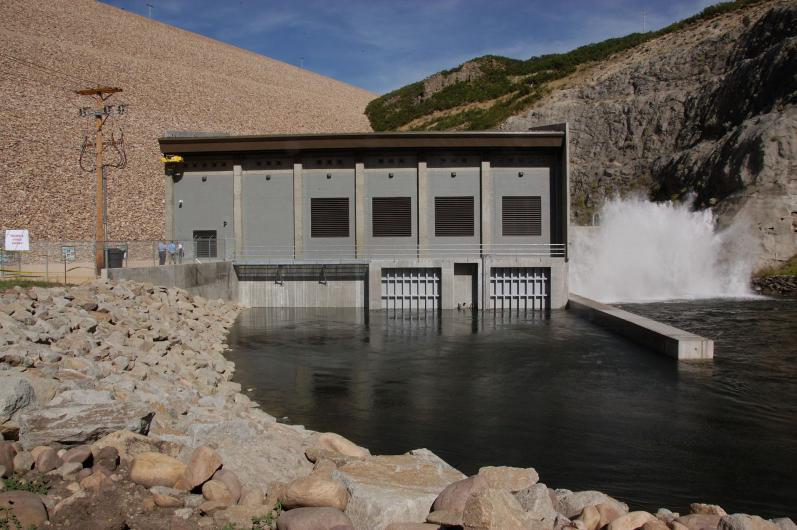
328	252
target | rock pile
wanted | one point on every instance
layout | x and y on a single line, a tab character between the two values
783	284
117	411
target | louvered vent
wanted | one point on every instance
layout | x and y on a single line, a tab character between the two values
453	216
521	216
391	216
329	217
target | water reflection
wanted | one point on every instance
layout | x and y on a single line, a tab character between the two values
587	409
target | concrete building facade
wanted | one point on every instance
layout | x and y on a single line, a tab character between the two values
405	221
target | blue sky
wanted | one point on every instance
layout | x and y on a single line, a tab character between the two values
381	45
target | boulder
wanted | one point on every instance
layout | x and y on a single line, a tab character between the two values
315	490
23	462
395	488
7	455
713	509
216	491
656	524
80	454
314	519
455	495
631	521
240	516
741	521
610	511
96	483
107	458
252	496
16	394
203	463
508	478
590	517
229	479
47	460
784	523
334	442
27	507
536	501
571	503
211	507
699	521
494	509
68	468
129	445
81	423
413	526
156	469
167	501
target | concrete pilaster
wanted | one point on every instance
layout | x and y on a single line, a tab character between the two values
447	285
487	207
423	207
237	209
168	228
374	286
359	210
298	211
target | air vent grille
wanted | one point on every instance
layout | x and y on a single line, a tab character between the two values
521	216
391	216
329	217
453	216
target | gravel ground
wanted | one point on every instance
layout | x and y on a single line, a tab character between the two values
172	80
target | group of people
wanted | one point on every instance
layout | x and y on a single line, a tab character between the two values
173	251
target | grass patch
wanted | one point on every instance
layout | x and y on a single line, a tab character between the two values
789	268
526	82
34	486
25	284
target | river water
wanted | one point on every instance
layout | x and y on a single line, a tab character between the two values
587	409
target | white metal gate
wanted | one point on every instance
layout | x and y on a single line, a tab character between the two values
520	288
411	289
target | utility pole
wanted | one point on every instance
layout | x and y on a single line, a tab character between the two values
644	13
100	113
149	10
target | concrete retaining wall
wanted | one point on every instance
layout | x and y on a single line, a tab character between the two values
210	280
661	338
302	293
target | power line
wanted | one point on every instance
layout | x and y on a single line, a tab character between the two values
46	69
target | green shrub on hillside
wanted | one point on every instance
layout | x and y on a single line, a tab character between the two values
520	83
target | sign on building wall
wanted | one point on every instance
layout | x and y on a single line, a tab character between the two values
17	240
68	253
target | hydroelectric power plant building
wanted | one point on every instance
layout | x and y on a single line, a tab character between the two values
408	221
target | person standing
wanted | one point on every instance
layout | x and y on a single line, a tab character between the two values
172	252
161	252
180	252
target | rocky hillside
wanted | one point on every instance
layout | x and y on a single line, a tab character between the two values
707	106
172	80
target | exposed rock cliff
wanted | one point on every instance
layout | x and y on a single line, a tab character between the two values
710	110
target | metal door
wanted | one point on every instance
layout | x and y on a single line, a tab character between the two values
520	288
411	289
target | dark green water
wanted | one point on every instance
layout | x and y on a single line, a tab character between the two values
587	409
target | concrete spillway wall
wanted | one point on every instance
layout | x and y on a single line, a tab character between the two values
661	338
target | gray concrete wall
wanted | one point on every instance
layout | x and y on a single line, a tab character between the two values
210	280
466	183
390	176
661	338
521	176
328	176
302	293
267	201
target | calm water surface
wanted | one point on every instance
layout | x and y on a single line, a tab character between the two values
587	409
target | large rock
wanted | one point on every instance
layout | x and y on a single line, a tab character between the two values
740	521
156	469
314	519
129	445
571	503
508	478
216	491
398	488
699	507
81	423
229	479
699	521
16	393
203	463
334	442
7	454
315	490
784	523
495	509
631	521
47	460
536	501
455	495
27	507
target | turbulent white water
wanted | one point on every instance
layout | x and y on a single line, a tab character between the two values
644	251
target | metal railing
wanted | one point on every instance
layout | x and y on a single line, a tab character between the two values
254	253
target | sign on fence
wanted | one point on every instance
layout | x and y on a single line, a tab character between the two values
68	253
17	240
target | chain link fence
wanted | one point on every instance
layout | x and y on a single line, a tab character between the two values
74	261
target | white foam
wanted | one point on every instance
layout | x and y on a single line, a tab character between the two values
644	251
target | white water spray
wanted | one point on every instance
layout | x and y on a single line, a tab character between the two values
644	251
